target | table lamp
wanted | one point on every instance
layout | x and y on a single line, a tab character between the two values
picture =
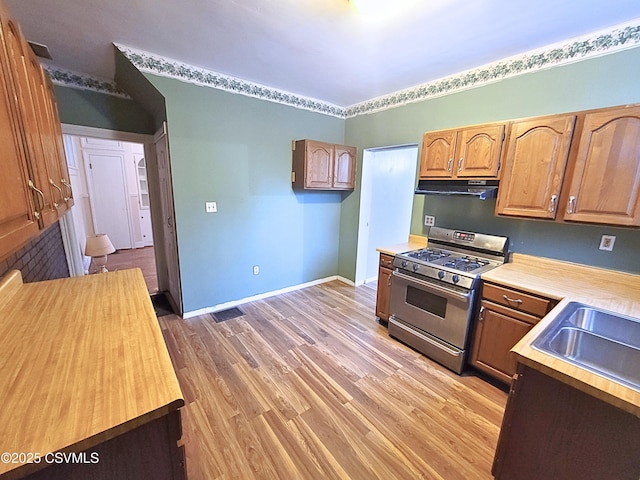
98	247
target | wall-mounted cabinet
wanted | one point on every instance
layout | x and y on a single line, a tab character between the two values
323	166
534	167
472	152
583	167
605	182
34	184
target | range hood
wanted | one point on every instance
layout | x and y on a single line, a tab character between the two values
477	188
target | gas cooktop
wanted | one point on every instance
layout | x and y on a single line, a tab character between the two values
454	256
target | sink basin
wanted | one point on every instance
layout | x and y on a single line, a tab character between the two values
602	342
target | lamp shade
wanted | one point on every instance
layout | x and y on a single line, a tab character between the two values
98	245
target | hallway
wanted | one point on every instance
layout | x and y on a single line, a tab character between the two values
143	258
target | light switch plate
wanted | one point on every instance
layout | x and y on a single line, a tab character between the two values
606	242
211	207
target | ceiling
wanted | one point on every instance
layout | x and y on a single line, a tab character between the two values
323	49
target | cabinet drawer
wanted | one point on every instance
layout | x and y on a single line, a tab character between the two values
517	300
386	260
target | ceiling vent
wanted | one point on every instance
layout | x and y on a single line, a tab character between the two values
41	50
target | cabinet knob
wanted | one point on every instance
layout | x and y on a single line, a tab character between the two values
53	184
460	164
38	210
449	163
68	187
553	203
517	301
481	315
572	205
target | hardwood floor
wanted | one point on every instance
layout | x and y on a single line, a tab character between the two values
143	258
307	385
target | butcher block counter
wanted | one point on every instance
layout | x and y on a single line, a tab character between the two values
85	371
606	289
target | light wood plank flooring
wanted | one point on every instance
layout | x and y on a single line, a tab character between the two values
142	258
307	385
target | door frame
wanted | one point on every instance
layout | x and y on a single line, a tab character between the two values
366	195
148	141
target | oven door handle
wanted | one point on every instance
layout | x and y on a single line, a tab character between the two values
444	291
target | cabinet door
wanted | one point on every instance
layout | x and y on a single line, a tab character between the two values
605	187
54	163
319	165
52	109
344	168
384	291
28	113
496	334
479	150
438	151
534	168
18	220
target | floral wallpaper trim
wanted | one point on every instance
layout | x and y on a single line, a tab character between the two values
599	43
166	67
620	38
67	78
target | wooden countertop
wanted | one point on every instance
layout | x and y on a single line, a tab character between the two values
82	360
615	291
415	242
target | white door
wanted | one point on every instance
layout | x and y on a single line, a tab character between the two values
170	242
108	193
386	203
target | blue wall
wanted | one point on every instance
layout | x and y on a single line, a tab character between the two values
236	150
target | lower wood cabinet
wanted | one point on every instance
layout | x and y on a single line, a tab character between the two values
552	430
506	315
384	286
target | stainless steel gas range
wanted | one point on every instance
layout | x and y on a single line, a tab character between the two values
434	292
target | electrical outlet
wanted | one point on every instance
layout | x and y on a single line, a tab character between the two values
606	242
211	207
256	269
429	221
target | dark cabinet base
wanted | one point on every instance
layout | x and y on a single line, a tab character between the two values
551	430
149	451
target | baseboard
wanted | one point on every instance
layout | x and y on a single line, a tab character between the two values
235	303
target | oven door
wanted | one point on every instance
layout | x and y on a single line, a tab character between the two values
440	310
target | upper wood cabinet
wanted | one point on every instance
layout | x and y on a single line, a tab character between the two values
534	167
32	191
323	166
582	167
605	184
18	216
472	152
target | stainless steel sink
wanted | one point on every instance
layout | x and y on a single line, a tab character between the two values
603	342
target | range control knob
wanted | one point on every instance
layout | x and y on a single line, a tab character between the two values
404	263
440	274
415	267
455	279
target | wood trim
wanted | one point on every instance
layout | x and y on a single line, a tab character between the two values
82	131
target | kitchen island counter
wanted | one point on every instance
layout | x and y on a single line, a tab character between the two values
85	369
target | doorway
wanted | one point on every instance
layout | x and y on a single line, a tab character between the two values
110	184
160	214
386	203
